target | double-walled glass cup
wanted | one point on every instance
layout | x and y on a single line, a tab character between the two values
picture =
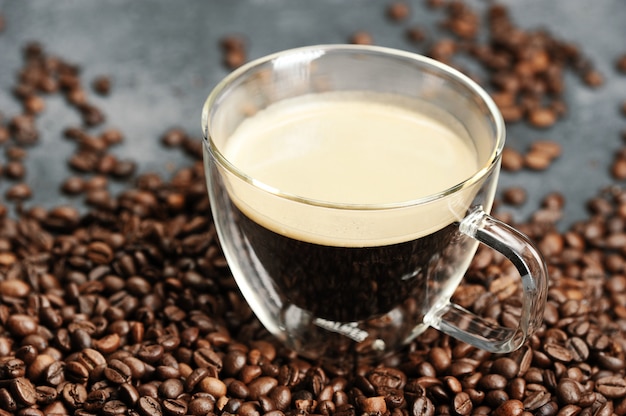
391	268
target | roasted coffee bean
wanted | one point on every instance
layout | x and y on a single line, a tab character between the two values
124	168
537	160
361	38
118	408
509	408
23	391
12	368
514	196
492	382
213	386
117	372
95	400
99	252
200	405
76	372
14	170
102	85
74	395
173	137
205	357
151	353
7	402
398	11
18	192
611	387
281	396
14	288
261	386
55	373
512	160
171	389
175	407
422	406
569	391
462	404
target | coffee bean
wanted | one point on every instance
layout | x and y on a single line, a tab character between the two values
151	353
173	137
569	391
509	408
118	408
117	372
147	406
21	325
200	406
612	387
14	170
171	389
7	401
55	373
537	160
205	357
95	400
398	11
176	407
213	386
512	160
558	352
124	168
14	288
261	386
593	78
23	391
387	377
422	406
514	196
99	252
493	382
74	395
18	192
462	404
361	38
102	85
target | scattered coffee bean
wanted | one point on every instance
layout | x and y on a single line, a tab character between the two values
102	85
233	51
512	160
73	185
18	192
514	196
361	38
621	64
398	11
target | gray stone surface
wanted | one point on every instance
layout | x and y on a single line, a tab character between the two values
163	57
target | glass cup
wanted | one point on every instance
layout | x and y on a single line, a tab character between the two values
340	281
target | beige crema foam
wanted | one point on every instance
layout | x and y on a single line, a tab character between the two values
351	148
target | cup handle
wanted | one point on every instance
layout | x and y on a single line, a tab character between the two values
462	324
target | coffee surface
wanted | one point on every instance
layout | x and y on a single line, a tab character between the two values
352	149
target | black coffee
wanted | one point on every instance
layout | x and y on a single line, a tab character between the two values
346	283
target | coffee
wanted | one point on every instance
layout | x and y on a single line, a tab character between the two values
350	149
347	147
346	283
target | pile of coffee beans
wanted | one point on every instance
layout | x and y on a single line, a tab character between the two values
130	308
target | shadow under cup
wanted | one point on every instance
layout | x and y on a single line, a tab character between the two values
389	270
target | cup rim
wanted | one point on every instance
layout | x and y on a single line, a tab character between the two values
216	93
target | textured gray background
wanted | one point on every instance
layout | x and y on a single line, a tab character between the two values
163	57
